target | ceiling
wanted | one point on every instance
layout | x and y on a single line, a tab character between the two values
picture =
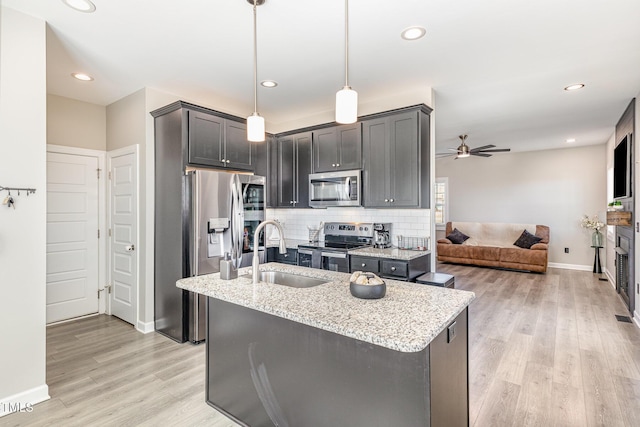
498	67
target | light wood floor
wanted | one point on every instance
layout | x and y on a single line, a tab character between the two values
545	350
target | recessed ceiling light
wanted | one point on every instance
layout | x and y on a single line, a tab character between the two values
269	83
570	140
413	33
574	87
81	5
82	76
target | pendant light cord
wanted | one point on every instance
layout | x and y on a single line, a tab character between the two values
346	43
255	58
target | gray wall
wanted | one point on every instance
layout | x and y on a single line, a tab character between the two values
551	187
75	123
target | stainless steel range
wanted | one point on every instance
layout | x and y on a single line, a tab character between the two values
339	238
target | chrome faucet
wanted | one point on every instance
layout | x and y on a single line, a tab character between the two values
256	237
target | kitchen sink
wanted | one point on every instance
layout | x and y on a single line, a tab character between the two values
288	279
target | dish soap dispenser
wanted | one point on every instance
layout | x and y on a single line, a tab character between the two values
227	271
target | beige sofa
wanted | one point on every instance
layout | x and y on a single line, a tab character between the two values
491	245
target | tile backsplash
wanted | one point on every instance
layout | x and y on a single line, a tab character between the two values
405	222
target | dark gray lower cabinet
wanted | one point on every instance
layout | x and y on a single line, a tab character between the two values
274	255
264	370
406	270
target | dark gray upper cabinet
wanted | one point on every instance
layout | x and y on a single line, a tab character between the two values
265	161
396	160
294	166
337	148
218	142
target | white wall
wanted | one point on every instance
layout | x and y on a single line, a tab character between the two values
551	187
23	230
75	123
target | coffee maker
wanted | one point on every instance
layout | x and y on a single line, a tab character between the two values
382	235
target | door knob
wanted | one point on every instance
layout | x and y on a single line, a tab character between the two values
130	248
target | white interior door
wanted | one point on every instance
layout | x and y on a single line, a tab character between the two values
123	214
72	236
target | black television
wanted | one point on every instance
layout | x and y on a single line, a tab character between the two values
622	169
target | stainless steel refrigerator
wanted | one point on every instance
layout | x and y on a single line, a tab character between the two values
219	212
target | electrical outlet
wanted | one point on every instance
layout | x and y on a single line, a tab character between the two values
566	250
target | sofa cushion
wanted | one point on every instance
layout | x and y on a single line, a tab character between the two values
526	240
457	237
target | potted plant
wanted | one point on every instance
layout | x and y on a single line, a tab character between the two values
615	205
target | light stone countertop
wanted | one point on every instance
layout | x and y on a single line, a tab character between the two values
392	253
407	319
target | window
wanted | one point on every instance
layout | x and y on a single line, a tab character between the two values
441	207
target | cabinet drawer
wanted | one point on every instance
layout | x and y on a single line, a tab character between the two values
363	263
398	269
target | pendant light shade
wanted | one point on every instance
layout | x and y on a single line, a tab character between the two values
346	105
255	122
346	98
255	128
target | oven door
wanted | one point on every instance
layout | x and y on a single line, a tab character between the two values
335	261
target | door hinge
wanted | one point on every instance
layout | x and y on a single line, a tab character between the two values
109	232
98	172
106	288
98	233
109	175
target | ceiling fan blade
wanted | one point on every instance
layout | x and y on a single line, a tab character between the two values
497	150
453	149
482	148
481	154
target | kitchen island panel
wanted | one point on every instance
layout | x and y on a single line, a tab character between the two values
264	370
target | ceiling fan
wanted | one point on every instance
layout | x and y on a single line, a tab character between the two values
464	151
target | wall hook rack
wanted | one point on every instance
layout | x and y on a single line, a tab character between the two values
10	189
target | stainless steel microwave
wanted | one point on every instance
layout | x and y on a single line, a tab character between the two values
335	189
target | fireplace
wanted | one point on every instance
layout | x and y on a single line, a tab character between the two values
624	273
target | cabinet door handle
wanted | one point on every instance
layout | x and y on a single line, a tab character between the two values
333	165
391	200
228	161
290	202
337	165
364	265
393	269
386	200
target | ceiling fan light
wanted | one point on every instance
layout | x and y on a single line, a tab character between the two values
255	128
346	105
463	155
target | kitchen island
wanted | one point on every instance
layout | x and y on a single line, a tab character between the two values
279	355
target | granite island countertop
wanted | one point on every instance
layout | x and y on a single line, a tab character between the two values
391	253
407	319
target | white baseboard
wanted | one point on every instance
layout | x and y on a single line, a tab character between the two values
636	318
23	402
570	266
612	280
145	328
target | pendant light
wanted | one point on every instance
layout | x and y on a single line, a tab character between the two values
346	98
255	122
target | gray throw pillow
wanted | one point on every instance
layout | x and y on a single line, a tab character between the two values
526	240
457	237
